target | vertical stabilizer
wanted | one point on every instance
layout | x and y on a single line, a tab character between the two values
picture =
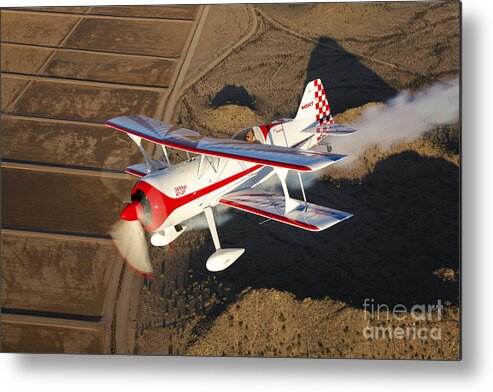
314	106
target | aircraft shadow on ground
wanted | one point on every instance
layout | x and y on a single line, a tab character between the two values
237	95
405	227
348	83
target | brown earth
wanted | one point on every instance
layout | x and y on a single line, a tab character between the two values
93	103
270	323
168	11
102	67
28	334
66	143
131	36
11	87
52	210
23	59
65	10
208	50
228	117
154	12
28	28
75	287
418	38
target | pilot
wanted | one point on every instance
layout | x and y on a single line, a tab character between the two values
250	136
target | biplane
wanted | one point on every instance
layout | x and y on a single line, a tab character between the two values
228	172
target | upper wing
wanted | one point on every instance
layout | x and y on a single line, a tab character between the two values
191	141
265	154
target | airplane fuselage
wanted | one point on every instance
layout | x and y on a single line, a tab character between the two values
184	190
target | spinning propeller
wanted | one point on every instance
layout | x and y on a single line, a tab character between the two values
130	239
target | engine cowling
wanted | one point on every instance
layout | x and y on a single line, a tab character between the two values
148	206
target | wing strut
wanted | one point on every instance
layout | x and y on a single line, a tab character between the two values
290	204
303	190
147	158
166	155
221	258
212	227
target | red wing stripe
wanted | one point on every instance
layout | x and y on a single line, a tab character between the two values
266	214
170	143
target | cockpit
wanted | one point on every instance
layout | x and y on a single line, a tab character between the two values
250	135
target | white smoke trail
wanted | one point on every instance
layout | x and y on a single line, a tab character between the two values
405	118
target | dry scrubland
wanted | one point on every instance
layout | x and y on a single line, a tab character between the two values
296	293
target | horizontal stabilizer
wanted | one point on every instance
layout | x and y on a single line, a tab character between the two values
330	130
307	216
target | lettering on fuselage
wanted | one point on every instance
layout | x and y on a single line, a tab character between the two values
180	190
307	105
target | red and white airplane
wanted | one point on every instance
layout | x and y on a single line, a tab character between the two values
228	172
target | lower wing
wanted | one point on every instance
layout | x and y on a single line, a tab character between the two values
307	216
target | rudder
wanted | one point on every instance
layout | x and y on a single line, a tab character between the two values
314	106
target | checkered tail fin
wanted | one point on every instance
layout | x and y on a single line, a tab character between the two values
314	106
